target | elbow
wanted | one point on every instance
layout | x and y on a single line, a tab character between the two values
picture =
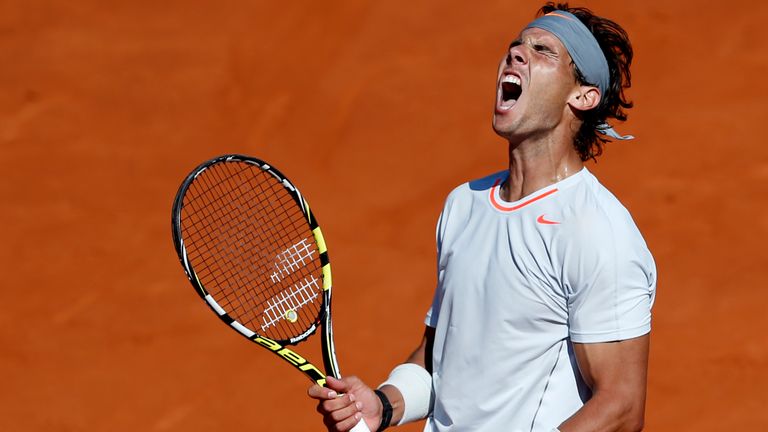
632	418
624	414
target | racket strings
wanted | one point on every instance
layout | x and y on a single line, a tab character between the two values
215	232
251	247
284	227
248	305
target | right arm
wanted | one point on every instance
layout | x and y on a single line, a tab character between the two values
422	356
341	413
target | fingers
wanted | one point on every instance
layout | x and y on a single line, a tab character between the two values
348	423
333	388
321	393
340	408
338	403
340	412
340	385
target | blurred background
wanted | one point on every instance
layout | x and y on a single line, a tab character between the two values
376	110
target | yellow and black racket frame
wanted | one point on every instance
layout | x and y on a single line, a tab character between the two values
278	347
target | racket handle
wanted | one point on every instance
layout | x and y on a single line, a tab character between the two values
360	427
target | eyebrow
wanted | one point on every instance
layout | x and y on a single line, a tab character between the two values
534	43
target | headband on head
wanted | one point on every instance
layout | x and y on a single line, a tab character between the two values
585	52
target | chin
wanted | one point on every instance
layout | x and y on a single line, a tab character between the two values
501	129
507	135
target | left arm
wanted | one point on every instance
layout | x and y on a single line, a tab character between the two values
616	372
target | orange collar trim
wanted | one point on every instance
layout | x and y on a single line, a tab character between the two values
502	207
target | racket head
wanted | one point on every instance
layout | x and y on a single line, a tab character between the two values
254	252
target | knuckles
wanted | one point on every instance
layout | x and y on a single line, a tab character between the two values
336	412
338	416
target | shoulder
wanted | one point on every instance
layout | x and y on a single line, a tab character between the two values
464	199
593	210
608	273
466	193
598	225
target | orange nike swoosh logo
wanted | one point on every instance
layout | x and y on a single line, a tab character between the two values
543	221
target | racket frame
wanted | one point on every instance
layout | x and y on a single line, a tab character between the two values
278	347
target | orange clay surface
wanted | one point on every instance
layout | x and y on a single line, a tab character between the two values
377	109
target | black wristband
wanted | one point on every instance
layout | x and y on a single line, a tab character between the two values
386	412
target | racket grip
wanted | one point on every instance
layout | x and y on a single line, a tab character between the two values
360	427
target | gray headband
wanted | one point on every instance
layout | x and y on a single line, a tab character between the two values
585	52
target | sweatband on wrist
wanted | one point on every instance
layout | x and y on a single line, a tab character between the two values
415	385
386	410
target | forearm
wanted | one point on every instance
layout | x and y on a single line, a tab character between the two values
421	357
408	391
606	412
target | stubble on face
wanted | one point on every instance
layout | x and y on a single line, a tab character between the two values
542	66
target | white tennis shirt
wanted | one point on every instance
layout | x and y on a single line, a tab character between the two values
517	282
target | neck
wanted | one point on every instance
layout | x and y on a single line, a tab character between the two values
537	163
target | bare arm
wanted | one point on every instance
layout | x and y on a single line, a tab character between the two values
617	374
422	356
341	413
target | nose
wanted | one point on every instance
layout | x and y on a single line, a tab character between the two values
516	55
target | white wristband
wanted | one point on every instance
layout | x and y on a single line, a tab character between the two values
415	384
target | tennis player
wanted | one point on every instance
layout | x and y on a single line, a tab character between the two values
542	312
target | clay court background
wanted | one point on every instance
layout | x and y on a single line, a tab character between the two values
377	109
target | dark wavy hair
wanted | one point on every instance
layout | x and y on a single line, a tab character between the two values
614	42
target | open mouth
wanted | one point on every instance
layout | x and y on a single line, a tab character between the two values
510	91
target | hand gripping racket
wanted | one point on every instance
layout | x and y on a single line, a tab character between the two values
254	252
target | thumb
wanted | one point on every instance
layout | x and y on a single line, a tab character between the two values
340	385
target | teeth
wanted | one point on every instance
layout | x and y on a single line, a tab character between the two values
511	79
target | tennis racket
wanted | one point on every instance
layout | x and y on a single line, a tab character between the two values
254	252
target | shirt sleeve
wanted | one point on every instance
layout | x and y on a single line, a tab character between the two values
455	212
609	279
434	310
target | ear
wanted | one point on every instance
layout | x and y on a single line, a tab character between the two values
584	98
